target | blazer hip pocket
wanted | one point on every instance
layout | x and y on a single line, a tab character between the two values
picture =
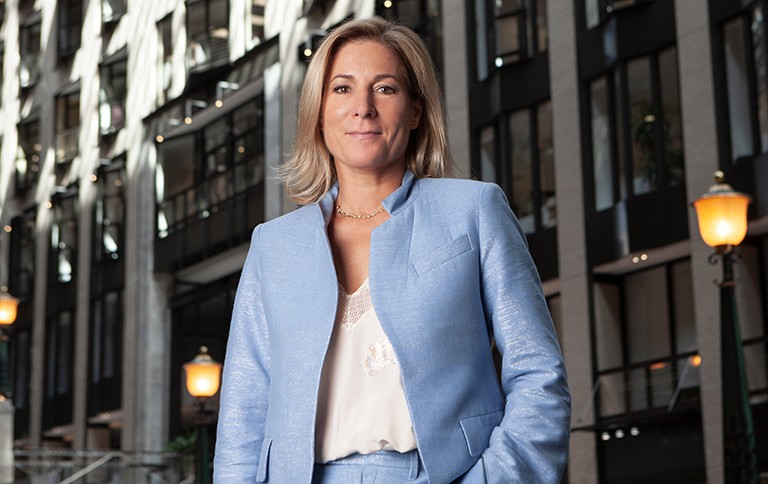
477	430
261	474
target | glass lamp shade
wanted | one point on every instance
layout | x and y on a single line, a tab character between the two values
203	375
722	214
8	307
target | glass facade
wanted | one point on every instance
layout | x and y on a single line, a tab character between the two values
636	129
29	50
70	21
745	67
508	31
646	334
207	33
28	156
112	92
67	127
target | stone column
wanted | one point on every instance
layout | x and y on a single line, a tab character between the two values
6	441
700	149
572	249
455	71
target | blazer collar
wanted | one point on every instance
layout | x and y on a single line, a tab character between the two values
394	203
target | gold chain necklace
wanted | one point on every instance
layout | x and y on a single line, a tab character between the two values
356	215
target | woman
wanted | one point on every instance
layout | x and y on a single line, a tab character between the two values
360	346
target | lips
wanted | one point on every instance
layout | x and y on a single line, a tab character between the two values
363	134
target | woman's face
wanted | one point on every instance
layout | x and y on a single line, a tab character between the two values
367	113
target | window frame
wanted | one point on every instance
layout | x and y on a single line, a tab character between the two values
66	131
32	150
208	42
622	134
109	70
70	25
30	57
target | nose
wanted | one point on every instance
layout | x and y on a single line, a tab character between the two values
364	107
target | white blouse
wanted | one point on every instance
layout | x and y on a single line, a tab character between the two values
361	405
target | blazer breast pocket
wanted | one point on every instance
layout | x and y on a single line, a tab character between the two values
443	254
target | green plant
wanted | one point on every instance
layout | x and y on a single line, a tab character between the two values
184	443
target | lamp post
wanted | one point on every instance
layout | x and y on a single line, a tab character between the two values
8	307
722	216
203	379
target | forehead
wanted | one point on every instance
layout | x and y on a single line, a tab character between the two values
363	56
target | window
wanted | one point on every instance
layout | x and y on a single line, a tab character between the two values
112	94
29	50
58	380
751	292
532	167
70	26
597	11
165	60
525	168
67	126
488	158
257	20
28	162
509	31
107	282
59	355
105	355
646	340
112	10
109	222
22	261
208	34
64	237
636	129
746	74
232	152
423	17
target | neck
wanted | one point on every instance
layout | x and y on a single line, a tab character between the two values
363	191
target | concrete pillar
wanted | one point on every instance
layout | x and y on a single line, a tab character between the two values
700	149
572	248
6	441
455	70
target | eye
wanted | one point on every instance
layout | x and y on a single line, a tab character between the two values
342	89
386	89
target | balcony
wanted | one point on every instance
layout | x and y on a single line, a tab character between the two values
209	218
208	51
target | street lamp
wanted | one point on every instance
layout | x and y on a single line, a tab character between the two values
8	308
722	216
203	379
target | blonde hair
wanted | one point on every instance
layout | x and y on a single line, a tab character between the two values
310	172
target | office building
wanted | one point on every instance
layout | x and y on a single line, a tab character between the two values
138	147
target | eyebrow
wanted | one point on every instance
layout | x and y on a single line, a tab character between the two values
376	78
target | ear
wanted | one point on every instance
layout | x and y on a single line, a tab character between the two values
417	110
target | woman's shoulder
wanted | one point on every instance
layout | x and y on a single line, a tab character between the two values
454	188
300	217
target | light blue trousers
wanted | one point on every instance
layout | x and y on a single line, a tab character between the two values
383	467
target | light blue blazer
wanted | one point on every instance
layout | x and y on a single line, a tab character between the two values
449	272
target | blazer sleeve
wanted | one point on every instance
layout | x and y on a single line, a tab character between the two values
245	380
530	445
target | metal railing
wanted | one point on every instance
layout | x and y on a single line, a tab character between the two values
103	466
